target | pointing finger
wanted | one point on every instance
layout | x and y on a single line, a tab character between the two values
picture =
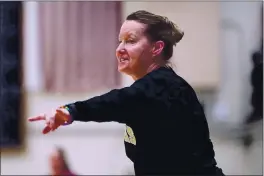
37	118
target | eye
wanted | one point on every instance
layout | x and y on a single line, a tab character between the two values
130	41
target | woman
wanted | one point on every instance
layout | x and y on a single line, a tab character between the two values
58	163
167	132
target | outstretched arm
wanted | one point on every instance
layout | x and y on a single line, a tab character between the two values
118	105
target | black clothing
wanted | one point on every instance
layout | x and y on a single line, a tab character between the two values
257	89
167	132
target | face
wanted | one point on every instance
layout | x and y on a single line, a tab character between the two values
134	53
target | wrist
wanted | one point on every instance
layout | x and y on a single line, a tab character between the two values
68	118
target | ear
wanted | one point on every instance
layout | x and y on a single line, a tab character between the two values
157	48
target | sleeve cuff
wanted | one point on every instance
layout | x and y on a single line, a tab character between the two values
73	112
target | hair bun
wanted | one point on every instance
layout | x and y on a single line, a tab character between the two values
176	34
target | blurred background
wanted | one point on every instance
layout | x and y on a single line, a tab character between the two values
54	53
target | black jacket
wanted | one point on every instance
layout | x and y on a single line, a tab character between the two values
167	132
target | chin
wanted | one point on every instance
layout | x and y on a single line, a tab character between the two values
124	70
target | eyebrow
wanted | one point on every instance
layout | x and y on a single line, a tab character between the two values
128	35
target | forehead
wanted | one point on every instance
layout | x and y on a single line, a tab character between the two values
132	27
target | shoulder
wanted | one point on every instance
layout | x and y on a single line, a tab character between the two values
165	82
179	90
161	77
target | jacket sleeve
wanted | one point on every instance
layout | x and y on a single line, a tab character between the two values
118	105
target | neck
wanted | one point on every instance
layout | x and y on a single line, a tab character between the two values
152	67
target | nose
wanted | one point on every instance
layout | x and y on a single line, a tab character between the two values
120	49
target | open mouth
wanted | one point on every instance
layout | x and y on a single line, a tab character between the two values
123	59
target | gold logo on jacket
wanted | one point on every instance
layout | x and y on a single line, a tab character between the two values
129	136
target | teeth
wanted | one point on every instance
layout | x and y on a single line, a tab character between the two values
122	59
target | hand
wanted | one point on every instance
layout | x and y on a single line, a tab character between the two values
57	118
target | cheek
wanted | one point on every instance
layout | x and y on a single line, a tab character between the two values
133	52
136	52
